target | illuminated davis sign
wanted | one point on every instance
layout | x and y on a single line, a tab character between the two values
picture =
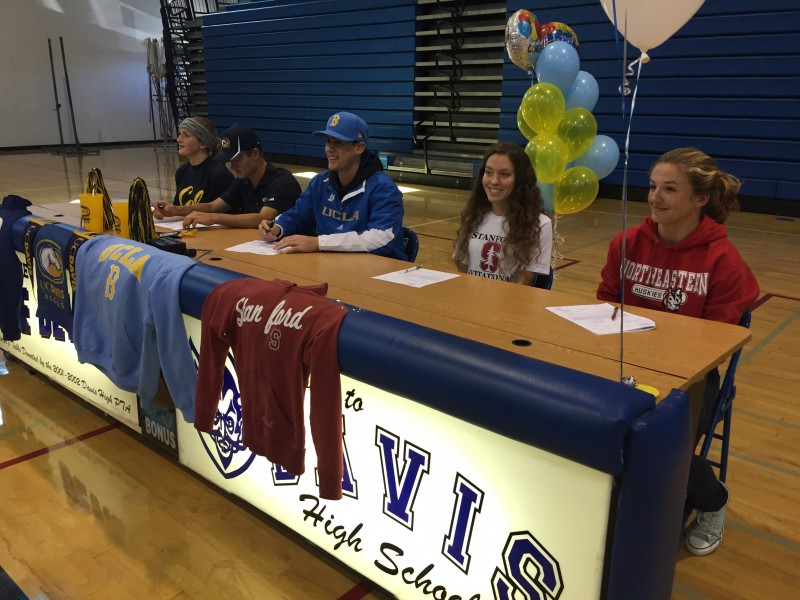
47	348
432	507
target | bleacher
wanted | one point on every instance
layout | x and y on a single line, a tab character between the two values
283	66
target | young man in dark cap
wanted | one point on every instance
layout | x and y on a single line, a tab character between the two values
352	207
260	190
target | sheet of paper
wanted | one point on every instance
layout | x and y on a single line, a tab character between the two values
255	247
176	224
600	319
416	277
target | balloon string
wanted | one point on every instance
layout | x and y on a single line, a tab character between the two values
624	52
625	216
625	88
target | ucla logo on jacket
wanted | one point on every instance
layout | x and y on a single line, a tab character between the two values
224	444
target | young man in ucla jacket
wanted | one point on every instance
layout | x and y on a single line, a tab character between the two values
281	334
352	207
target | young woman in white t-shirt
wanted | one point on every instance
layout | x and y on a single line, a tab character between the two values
504	233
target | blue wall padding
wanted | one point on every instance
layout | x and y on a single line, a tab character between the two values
657	456
282	68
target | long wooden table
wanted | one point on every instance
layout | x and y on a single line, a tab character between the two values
678	353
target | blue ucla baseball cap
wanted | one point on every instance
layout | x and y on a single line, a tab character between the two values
346	126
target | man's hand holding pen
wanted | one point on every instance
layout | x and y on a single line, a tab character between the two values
268	231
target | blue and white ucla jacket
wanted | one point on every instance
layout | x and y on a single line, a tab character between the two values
367	216
128	320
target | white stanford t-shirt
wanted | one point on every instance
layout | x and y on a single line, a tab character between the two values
485	254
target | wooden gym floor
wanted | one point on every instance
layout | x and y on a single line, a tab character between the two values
89	511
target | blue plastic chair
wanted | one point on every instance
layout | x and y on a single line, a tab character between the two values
411	243
544	282
723	408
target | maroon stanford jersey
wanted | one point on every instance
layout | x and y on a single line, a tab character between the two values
280	333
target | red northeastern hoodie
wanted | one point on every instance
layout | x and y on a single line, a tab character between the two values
701	276
281	333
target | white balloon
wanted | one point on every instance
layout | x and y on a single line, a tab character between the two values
649	23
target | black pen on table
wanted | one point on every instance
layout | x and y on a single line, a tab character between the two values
614	314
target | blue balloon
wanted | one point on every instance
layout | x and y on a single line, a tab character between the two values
601	157
546	191
583	93
558	63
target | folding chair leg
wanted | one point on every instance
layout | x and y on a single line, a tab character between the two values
726	436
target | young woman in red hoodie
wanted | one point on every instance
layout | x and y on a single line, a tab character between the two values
680	260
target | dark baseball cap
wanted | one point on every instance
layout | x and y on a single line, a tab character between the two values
238	139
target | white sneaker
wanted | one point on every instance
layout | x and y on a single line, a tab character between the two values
705	533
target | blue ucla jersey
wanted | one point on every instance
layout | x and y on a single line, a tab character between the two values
366	218
128	320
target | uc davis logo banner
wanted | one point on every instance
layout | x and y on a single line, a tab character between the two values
52	290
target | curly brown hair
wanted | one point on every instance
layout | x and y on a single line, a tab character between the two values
524	207
706	179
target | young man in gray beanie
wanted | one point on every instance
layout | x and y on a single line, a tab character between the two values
260	190
202	177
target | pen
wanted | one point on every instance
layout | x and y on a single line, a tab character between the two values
414	268
614	314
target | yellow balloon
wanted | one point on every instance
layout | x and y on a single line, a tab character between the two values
577	128
523	126
548	155
575	190
542	107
